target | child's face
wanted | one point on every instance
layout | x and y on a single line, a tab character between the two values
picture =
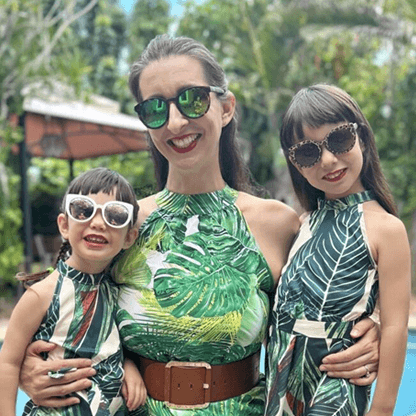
94	243
338	175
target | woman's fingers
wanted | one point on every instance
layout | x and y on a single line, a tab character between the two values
48	382
58	402
355	373
37	347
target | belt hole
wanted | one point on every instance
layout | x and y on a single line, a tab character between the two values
179	386
191	386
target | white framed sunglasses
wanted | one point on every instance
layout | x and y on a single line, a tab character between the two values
81	208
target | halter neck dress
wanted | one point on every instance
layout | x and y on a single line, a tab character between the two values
81	321
329	283
195	289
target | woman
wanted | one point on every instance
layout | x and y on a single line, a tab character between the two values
209	254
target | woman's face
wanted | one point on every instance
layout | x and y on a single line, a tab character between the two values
186	143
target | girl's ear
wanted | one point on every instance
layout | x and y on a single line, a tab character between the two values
228	108
130	238
63	225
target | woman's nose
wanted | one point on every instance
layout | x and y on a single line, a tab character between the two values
176	119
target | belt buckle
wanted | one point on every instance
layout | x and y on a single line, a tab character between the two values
206	386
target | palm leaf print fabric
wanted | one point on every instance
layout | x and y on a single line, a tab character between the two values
195	289
328	284
81	321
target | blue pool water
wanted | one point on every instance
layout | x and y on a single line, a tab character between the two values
406	401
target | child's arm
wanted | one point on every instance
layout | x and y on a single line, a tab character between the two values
25	320
394	288
133	389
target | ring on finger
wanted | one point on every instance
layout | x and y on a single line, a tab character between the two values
56	375
367	372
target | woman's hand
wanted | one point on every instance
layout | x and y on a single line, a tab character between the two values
46	391
358	363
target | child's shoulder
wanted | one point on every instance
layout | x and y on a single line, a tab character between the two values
41	292
47	285
386	227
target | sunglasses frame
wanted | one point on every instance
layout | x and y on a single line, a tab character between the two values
206	89
352	127
71	197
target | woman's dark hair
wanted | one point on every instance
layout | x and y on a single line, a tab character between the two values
327	104
233	169
92	182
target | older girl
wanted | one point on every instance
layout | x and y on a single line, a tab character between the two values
351	250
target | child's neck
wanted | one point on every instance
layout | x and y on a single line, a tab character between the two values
87	267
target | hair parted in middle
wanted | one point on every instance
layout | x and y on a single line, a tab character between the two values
322	104
233	168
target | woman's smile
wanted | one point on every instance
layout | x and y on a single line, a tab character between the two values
185	143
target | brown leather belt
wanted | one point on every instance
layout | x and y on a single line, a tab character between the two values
196	384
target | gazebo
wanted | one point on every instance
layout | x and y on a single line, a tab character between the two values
57	126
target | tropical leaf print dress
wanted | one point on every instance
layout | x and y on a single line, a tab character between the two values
195	290
81	321
330	282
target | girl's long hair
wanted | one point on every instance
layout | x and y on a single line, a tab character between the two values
233	169
327	104
91	182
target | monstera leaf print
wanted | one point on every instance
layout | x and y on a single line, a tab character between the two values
202	281
131	268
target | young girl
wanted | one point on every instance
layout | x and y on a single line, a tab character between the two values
350	251
74	306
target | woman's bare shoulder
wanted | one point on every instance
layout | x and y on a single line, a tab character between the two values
147	206
263	210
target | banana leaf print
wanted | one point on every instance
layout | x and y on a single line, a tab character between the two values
333	269
329	283
80	321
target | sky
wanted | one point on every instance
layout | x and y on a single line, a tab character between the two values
176	6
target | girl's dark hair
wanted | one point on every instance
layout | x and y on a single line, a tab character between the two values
233	169
92	182
327	104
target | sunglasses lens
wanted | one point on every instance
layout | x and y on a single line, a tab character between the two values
194	102
154	113
307	154
340	141
116	214
81	209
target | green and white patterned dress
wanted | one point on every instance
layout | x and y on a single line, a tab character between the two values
329	283
81	321
195	290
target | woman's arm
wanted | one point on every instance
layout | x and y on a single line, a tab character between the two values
394	291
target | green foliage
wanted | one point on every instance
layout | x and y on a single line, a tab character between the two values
148	19
11	248
52	176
